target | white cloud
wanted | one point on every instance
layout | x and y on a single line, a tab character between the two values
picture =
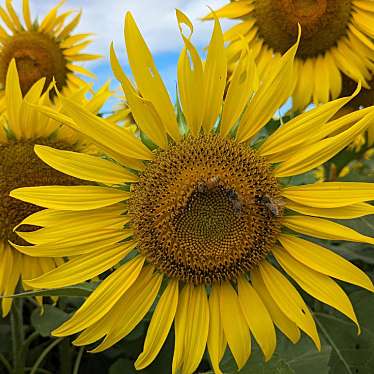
156	19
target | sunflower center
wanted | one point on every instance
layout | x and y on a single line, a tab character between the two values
21	167
37	56
323	23
206	210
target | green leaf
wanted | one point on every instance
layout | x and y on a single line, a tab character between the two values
351	353
122	366
46	320
82	290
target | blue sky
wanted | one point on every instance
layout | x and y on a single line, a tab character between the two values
157	22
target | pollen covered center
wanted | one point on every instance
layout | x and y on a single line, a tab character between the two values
323	24
206	210
21	167
37	55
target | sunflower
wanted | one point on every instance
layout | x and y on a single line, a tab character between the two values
42	49
21	128
336	38
200	215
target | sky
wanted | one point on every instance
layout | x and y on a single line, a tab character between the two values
156	20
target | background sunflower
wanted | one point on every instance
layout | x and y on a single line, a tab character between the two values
336	39
43	49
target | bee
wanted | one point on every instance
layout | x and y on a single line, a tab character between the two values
235	201
274	205
208	185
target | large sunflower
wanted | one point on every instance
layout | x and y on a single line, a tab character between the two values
45	49
21	128
336	38
204	216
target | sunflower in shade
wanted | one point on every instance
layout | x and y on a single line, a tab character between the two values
46	49
205	219
337	37
21	128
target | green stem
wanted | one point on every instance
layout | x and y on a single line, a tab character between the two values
44	355
78	361
5	362
16	319
65	353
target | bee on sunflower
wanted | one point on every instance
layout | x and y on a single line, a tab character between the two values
198	213
336	38
21	128
46	49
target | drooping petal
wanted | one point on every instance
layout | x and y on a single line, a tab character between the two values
102	298
324	261
133	306
287	326
289	300
81	268
324	229
316	284
160	325
216	337
257	317
236	329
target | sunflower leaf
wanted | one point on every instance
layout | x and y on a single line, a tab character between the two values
82	290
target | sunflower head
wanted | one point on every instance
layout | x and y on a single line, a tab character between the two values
336	39
45	49
200	207
21	129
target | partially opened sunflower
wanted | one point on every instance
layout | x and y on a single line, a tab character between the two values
21	128
337	37
46	49
203	216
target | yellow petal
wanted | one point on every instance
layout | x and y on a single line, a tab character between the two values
293	132
147	77
236	329
274	91
321	89
289	300
190	79
70	26
316	284
106	132
242	85
133	306
215	73
324	229
234	9
257	317
159	326
84	166
143	111
81	268
103	298
287	326
216	337
13	98
330	194
324	261
196	333
26	14
70	197
316	154
76	245
345	212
